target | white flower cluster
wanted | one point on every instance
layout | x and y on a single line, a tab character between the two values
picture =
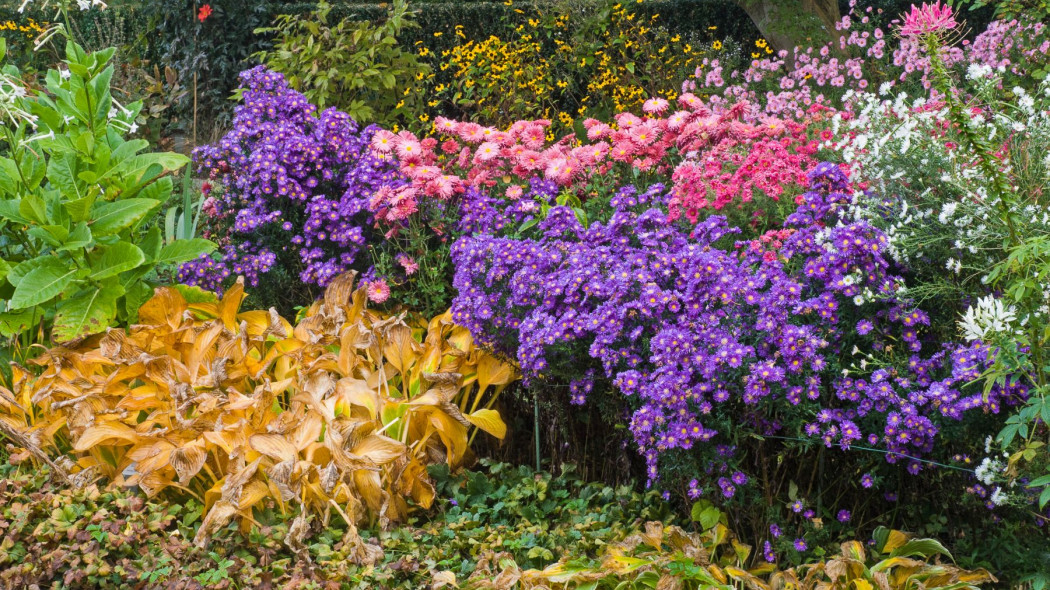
928	193
82	4
988	470
11	93
987	319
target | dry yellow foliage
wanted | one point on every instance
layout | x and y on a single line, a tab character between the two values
340	413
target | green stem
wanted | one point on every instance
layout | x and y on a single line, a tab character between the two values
536	425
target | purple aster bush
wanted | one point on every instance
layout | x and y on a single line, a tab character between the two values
709	339
293	190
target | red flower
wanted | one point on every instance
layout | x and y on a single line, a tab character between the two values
204	13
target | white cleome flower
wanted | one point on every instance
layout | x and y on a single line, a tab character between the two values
987	318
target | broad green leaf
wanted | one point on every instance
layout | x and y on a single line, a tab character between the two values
151	243
184	250
705	514
110	218
88	312
9	210
80	209
79	238
52	235
21	269
9	176
193	294
42	283
924	548
158	190
135	296
13	323
62	174
33	208
116	259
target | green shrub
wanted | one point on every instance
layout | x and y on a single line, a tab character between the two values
358	67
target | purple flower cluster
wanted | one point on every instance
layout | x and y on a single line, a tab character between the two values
688	325
293	185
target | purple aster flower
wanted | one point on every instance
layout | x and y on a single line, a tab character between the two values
864	327
867	481
800	545
844	516
797	506
774	530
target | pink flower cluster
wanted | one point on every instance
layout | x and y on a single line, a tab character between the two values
772	158
928	19
713	159
787	84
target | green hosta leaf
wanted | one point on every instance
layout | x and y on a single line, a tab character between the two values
116	259
193	294
110	218
42	284
5	268
925	548
88	312
183	250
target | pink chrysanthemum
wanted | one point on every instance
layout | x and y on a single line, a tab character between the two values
383	141
409	149
407	263
655	106
487	151
378	291
928	18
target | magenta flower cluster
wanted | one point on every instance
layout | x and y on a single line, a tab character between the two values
293	188
702	332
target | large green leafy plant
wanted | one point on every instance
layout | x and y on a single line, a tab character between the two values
77	250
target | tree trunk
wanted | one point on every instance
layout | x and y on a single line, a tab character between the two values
789	23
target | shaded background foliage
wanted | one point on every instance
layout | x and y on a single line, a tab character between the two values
156	32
